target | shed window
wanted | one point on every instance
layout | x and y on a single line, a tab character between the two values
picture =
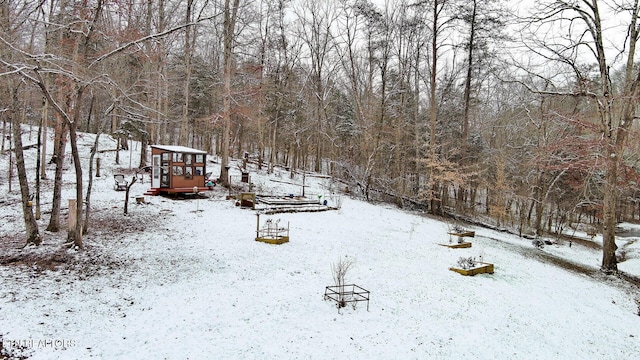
199	158
177	157
187	159
178	170
199	171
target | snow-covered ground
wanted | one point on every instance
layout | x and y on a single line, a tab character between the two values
184	279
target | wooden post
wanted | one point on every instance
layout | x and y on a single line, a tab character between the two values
195	191
98	166
257	225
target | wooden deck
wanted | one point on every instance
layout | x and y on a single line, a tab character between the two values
287	201
186	190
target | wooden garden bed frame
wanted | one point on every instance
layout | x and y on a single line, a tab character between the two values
462	235
460	243
480	268
464	244
271	233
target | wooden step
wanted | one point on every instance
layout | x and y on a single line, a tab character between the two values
152	192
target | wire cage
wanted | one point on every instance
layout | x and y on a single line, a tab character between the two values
345	294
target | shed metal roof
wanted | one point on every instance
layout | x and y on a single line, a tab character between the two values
178	149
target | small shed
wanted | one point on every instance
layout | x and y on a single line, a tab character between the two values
177	169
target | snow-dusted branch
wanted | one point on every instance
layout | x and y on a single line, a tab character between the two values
148	37
38	81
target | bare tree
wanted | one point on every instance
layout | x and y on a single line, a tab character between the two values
94	150
229	29
440	20
339	271
188	46
11	18
32	232
317	20
482	24
134	178
614	103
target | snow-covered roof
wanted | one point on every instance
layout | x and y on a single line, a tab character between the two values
180	149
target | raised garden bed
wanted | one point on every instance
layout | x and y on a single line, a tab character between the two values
277	240
272	232
464	244
462	234
478	268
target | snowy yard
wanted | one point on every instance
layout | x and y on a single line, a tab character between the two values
184	279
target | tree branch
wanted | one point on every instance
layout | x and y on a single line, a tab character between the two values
146	38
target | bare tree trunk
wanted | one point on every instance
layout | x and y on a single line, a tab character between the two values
273	153
58	159
44	124
230	15
184	129
539	203
118	150
31	226
87	213
39	165
126	194
467	98
144	144
433	108
76	235
55	44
